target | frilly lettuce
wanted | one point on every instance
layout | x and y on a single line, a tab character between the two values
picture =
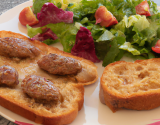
119	8
141	24
133	36
84	45
127	46
37	4
107	35
132	20
66	35
52	14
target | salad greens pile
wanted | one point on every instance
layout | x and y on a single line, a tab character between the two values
133	36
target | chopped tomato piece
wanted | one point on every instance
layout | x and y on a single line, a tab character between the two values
143	8
156	48
104	17
27	16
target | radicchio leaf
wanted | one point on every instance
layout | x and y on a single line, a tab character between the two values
47	34
52	14
84	46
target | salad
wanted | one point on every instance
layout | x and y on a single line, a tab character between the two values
98	30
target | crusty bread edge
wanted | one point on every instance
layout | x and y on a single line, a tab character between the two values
136	102
65	118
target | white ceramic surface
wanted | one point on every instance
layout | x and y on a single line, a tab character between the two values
93	112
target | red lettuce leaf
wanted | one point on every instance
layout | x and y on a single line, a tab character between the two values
52	14
47	34
84	46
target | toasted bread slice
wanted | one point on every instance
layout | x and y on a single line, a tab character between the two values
54	113
59	112
131	85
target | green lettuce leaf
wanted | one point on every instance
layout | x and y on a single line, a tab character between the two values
66	35
37	4
122	24
134	57
132	20
145	31
127	46
158	32
107	35
31	32
141	24
108	50
50	41
97	31
111	54
102	48
60	31
155	18
121	8
152	6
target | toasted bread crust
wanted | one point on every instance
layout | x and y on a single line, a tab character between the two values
132	85
71	87
20	108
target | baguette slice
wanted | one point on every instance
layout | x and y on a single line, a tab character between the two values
131	85
65	110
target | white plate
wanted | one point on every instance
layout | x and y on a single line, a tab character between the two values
93	112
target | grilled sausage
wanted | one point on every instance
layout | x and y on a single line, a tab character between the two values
40	88
15	47
8	76
57	64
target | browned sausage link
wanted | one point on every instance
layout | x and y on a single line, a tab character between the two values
57	64
15	47
40	88
8	76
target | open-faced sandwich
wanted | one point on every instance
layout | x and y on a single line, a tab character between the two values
40	82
